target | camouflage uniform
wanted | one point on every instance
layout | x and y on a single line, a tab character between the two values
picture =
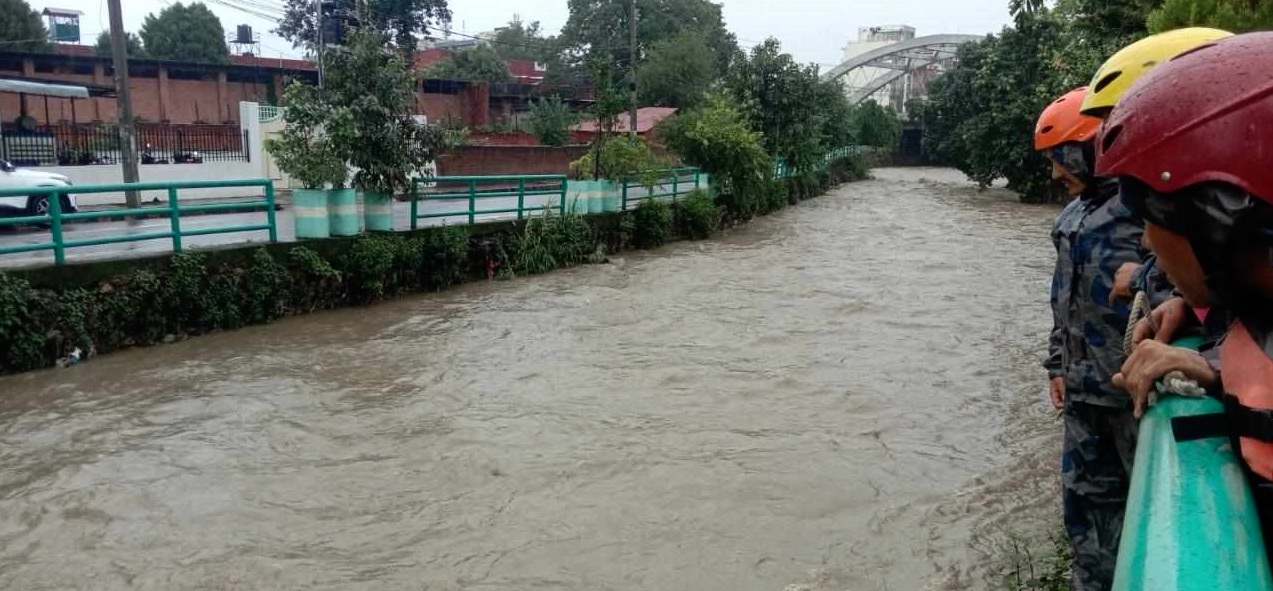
1094	236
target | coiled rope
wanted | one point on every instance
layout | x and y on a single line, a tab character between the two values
1174	382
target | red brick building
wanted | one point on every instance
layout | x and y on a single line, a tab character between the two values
186	93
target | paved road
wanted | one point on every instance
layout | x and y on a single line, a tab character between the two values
286	231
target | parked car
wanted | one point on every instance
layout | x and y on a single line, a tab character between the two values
12	177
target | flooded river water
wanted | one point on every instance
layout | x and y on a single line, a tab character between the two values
843	396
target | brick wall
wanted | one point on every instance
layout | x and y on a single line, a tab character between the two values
478	160
213	99
440	108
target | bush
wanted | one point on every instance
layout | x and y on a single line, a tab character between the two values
697	216
620	158
776	196
550	121
651	224
550	241
716	138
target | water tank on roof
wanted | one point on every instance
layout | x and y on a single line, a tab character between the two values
243	34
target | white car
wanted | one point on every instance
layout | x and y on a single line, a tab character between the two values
34	204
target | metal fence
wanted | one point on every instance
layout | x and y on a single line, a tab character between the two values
461	196
79	144
665	184
173	210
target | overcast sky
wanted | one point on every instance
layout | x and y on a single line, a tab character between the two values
812	30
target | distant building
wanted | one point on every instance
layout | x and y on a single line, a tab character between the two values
870	39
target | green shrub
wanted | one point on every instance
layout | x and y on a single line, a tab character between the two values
550	121
550	241
446	252
651	224
316	283
776	197
268	286
697	216
621	158
717	139
366	267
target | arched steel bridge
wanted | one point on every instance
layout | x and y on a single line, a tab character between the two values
889	63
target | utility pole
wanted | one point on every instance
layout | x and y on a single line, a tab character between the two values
318	32
128	141
632	64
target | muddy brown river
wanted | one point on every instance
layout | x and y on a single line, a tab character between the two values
844	396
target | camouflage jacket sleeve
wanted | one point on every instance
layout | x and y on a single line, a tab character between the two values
1056	338
1151	280
1108	237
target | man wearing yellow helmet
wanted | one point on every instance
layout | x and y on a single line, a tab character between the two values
1100	258
1109	84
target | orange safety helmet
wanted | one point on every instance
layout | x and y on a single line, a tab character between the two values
1062	122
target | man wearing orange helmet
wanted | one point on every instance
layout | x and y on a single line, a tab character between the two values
1191	143
1095	236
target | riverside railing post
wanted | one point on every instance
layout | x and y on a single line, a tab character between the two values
174	217
564	184
521	196
270	217
472	202
697	174
625	194
676	182
55	227
415	203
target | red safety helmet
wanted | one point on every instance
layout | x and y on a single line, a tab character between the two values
1205	115
1061	122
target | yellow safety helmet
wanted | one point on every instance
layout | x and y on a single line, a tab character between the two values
1118	72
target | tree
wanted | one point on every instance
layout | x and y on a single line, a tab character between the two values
311	147
717	138
780	98
676	72
522	41
400	20
479	64
189	33
550	121
600	27
377	85
21	28
1239	16
876	125
132	45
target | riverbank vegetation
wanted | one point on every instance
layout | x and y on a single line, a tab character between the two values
980	116
64	314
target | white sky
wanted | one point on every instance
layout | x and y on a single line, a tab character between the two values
811	30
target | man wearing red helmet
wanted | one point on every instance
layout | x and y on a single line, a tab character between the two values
1192	145
1095	237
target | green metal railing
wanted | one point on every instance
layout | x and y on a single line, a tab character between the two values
672	182
56	218
472	190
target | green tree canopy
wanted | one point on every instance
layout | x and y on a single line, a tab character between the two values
479	64
378	86
21	28
402	20
780	98
676	72
185	32
600	27
1239	16
874	125
132	44
523	41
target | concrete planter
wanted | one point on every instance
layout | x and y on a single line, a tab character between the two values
377	211
342	212
309	208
